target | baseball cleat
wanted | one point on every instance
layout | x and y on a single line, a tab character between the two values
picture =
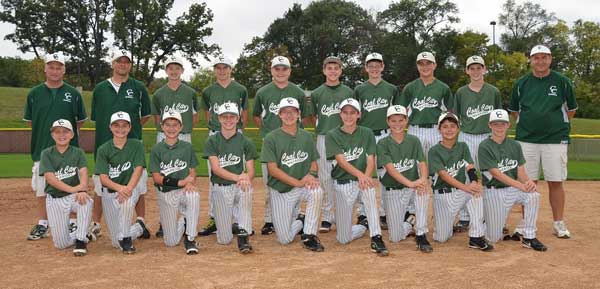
480	243
159	233
72	227
560	230
383	222
325	227
191	248
423	245
411	219
91	237
267	229
244	242
505	230
145	232
38	232
377	246
461	226
312	242
96	229
362	220
209	228
80	248
534	244
127	246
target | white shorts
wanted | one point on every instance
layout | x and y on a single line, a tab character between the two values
553	158
38	183
141	187
182	136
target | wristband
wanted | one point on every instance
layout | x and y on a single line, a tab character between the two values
472	175
314	174
171	182
82	192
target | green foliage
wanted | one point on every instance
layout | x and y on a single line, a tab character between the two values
524	24
202	78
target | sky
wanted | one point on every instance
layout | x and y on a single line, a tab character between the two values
236	22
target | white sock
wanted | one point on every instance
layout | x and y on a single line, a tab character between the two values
72	221
140	218
43	223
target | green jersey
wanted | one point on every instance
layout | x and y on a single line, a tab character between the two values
293	154
266	104
405	157
215	95
131	98
374	100
473	108
117	163
325	103
65	167
425	102
182	100
44	106
174	161
355	147
454	161
233	153
542	104
506	156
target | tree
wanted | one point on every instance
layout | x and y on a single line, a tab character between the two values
145	29
585	51
202	78
524	23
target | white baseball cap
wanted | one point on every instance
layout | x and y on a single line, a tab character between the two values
117	54
396	109
223	60
540	49
289	102
374	56
171	114
228	107
448	115
475	59
280	61
499	115
120	115
62	123
55	57
425	55
351	102
174	59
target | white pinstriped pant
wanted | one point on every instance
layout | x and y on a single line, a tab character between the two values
187	205
58	219
498	202
118	217
285	211
346	195
445	208
265	179
472	141
396	202
380	173
225	200
211	209
326	181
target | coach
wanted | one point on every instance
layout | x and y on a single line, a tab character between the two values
543	103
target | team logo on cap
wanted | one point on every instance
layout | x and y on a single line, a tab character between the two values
55	56
280	59
397	108
120	115
289	101
123	52
61	122
226	105
499	114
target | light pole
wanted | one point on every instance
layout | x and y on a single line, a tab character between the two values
493	23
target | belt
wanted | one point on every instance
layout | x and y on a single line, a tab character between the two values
343	182
445	190
495	187
425	125
222	185
378	132
394	188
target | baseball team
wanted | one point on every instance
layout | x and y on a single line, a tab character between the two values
422	143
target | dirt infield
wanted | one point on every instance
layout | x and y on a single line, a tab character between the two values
573	263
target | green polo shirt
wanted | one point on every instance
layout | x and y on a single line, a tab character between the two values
506	156
374	100
119	164
174	161
44	106
65	167
454	161
425	102
233	153
215	95
325	103
473	108
182	100
266	105
405	157
542	104
131	98
355	147
292	153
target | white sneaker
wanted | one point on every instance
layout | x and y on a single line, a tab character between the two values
560	230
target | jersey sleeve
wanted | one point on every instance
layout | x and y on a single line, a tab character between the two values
80	113
250	150
419	150
193	158
82	160
521	157
305	111
45	163
486	158
448	98
145	110
27	114
383	154
515	98
268	151
94	105
101	167
205	99
313	150
569	94
155	108
332	148
257	109
244	97
467	153
435	162
314	97
371	148
154	163
403	99
138	158
210	148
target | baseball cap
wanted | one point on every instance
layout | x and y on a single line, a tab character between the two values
448	115
171	114
475	59
499	115
228	107
280	61
540	49
332	59
374	56
223	60
396	109
55	57
425	55
117	54
289	102
62	123
174	59
352	102
120	115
